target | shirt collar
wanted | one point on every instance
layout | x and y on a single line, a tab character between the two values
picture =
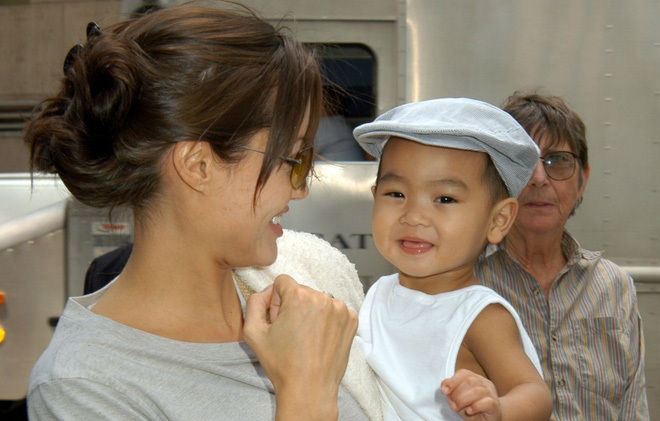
569	245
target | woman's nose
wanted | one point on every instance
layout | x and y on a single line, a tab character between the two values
539	176
301	192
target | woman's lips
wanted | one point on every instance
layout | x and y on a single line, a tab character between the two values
276	225
538	204
414	245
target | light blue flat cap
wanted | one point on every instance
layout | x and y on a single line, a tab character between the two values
458	123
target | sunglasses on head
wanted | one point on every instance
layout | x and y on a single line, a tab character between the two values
300	164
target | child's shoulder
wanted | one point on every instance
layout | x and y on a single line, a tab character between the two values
493	315
383	283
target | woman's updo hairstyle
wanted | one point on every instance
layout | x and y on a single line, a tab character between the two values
184	73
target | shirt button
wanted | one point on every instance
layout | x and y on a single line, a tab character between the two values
536	292
561	382
554	338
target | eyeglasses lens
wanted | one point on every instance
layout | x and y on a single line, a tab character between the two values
559	165
301	168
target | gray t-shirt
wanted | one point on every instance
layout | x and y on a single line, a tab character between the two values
95	368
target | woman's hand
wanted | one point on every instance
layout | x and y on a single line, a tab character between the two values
303	347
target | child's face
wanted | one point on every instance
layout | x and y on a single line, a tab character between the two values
432	210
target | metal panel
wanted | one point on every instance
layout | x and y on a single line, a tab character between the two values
21	194
32	278
32	267
32	225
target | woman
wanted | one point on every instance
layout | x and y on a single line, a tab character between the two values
200	119
579	309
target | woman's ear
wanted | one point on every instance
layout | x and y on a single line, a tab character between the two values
584	177
502	216
192	161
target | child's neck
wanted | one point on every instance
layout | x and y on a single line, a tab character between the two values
439	283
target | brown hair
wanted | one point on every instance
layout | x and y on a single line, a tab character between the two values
549	115
183	73
494	182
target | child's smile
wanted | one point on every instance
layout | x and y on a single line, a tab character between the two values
414	245
431	213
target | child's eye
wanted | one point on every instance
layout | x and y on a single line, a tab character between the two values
445	199
395	194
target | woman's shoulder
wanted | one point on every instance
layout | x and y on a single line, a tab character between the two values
71	344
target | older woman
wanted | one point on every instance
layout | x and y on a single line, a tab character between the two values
579	308
201	119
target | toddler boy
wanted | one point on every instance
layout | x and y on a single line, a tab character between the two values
443	346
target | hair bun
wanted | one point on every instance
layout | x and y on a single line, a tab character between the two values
107	88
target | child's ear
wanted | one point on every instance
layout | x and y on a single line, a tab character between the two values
373	191
192	161
502	216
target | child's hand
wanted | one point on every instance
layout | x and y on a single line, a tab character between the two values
472	396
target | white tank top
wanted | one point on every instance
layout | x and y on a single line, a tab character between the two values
411	340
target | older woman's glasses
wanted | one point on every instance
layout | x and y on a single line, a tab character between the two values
560	165
300	164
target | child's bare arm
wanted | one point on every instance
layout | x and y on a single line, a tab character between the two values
514	390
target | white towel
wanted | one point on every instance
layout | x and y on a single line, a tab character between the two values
313	262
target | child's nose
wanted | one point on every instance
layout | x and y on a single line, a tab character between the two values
414	215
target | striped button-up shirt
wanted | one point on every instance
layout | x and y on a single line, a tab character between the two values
588	333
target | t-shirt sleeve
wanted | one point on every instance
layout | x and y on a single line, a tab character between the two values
80	399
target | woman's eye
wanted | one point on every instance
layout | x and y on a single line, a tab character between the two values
445	199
